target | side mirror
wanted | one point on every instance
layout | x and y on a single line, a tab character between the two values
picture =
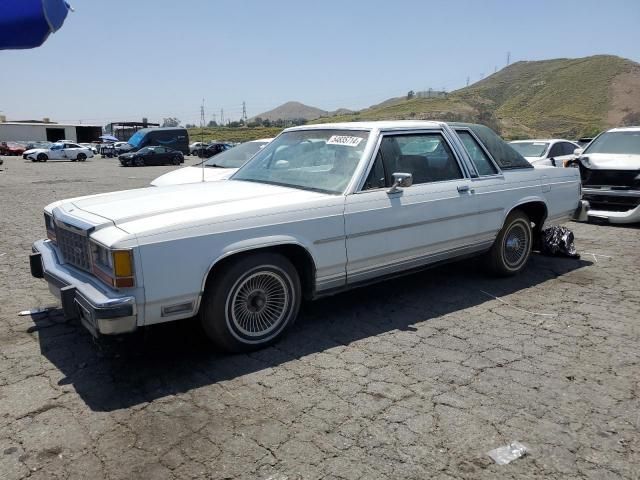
400	180
578	151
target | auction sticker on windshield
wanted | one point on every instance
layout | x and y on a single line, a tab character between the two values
344	140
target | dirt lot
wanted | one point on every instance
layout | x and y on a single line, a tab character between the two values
414	378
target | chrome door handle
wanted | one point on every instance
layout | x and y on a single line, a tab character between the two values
463	188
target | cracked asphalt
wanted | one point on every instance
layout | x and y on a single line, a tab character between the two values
413	378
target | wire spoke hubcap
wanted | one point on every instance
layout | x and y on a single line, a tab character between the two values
259	303
516	244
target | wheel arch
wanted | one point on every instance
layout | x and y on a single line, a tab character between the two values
537	211
296	252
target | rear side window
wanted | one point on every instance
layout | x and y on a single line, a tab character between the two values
478	156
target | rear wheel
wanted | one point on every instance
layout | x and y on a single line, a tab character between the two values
251	302
42	157
512	248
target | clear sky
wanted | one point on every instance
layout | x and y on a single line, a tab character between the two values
125	59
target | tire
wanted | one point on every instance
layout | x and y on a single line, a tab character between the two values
175	160
512	248
42	157
138	162
235	312
81	157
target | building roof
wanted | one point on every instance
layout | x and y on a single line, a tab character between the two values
52	124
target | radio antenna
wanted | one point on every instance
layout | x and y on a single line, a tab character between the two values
202	135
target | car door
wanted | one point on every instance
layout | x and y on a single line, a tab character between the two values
566	154
164	155
56	152
432	220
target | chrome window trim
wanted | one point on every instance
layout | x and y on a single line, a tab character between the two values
499	173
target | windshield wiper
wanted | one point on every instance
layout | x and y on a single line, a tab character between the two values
214	165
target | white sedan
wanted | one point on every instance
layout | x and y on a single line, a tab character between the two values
59	151
553	151
218	167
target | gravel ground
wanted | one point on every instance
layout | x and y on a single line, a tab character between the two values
413	378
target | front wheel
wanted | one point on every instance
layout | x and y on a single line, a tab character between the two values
139	162
176	160
82	157
42	157
251	302
512	248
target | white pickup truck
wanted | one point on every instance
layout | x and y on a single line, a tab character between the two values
320	209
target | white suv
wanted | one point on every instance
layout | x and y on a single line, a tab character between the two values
610	171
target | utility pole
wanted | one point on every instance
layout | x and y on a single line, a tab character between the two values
202	120
214	117
244	112
508	58
467	80
222	116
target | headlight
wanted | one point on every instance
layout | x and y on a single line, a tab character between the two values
114	267
50	226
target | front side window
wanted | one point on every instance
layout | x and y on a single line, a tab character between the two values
478	156
322	160
136	138
426	156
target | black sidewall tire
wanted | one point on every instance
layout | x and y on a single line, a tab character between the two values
82	157
42	157
214	311
495	258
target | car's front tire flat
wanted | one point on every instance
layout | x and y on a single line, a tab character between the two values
251	302
512	248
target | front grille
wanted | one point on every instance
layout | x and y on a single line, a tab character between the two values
611	203
609	178
74	247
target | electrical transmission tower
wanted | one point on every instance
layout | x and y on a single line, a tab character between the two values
202	121
244	112
508	58
222	116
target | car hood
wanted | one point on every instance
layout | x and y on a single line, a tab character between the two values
155	209
193	175
36	150
610	161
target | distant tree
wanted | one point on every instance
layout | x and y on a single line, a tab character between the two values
170	122
266	122
233	124
189	125
212	123
410	94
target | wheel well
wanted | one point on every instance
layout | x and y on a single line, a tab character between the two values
537	213
297	255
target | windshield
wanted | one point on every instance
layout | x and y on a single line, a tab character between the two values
530	149
235	157
616	142
136	138
320	160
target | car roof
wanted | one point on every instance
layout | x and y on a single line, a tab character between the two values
380	124
625	129
546	140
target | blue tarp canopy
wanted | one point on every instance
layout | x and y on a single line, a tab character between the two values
28	23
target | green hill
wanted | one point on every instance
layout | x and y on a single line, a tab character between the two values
560	97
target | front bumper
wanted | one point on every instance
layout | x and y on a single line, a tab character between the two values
100	309
615	198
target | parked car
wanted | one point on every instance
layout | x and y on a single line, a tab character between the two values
553	151
37	144
584	141
196	146
219	167
152	156
211	149
320	209
122	147
90	146
59	151
610	172
11	148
